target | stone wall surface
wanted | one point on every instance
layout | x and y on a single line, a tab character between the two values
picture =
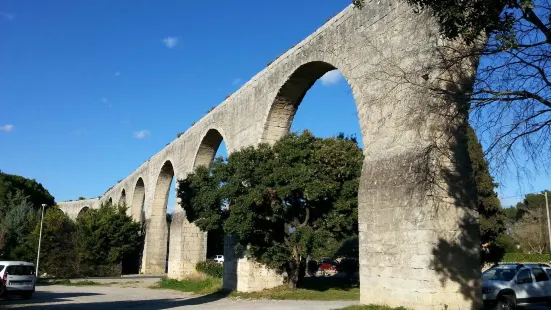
418	229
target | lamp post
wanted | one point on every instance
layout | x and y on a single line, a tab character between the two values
39	240
548	223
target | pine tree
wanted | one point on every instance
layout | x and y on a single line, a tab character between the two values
491	216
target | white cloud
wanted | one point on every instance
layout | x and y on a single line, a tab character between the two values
6	128
171	42
7	16
331	78
237	81
141	134
117	73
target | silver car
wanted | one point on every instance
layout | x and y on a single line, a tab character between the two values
507	286
17	277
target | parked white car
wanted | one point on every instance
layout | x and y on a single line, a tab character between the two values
17	277
505	287
219	259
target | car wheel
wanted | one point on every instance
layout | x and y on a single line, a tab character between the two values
506	302
2	290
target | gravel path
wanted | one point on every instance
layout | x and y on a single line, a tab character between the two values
116	297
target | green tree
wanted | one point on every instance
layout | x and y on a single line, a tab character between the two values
530	229
17	222
36	193
491	216
107	236
57	251
511	99
282	203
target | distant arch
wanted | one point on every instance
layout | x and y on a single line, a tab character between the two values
138	201
157	229
122	199
83	211
208	148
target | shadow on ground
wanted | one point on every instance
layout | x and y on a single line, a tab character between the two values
323	284
40	297
49	297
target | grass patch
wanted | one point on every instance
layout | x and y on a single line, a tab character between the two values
199	284
313	289
372	307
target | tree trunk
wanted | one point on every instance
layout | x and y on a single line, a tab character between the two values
293	271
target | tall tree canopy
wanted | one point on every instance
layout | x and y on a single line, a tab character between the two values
492	218
36	193
282	203
106	236
20	202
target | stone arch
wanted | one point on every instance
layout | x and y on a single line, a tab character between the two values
122	199
277	124
207	148
110	201
82	211
138	201
157	230
284	107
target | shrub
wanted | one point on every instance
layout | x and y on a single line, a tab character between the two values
525	258
210	268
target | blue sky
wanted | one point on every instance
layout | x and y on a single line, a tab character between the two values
91	89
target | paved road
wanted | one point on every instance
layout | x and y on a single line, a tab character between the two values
56	297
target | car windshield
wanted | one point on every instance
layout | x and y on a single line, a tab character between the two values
498	274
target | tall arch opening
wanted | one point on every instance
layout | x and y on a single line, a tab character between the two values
138	211
110	201
138	202
122	200
212	146
156	256
316	97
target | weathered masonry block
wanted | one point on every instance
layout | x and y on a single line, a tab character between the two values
418	228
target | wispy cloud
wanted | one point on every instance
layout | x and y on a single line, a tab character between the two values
117	73
141	134
171	42
104	100
331	78
7	16
6	128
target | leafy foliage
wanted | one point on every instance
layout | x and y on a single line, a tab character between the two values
525	258
287	202
16	223
58	254
210	268
36	193
492	218
106	236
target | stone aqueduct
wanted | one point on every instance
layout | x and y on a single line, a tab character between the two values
418	230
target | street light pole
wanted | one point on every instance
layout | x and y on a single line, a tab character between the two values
39	240
548	223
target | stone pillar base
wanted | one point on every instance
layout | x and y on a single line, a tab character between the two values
244	275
